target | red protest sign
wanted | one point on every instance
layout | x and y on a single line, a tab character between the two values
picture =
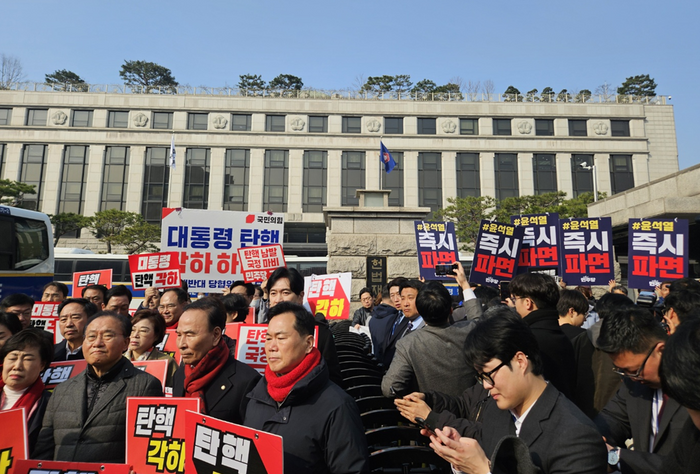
326	295
218	446
92	277
155	438
45	316
257	263
169	345
158	270
157	368
250	344
61	371
33	466
13	442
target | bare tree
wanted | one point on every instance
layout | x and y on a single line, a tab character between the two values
606	92
489	88
10	71
359	82
472	89
459	82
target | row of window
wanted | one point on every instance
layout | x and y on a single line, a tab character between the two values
276	178
317	123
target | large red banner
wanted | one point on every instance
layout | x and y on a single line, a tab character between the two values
13	439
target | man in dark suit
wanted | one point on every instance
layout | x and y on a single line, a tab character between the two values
535	297
408	319
559	437
640	413
73	315
208	370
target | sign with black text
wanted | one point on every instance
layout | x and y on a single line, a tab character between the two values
658	251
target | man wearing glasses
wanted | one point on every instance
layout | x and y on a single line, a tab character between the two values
639	415
559	437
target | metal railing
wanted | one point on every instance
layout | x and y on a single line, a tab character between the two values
341	94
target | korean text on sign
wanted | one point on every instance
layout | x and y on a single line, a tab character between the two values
437	245
496	253
586	251
159	270
257	263
658	251
328	294
540	245
250	346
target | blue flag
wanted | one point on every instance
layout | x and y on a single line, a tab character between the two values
386	158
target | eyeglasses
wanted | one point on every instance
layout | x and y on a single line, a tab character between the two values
169	307
637	375
488	376
514	298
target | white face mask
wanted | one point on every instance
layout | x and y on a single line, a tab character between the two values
255	303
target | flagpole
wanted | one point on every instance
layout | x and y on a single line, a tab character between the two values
381	161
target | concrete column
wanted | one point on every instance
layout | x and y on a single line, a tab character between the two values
335	124
13	159
410	177
295	181
449	176
410	125
373	169
602	168
640	169
93	187
99	118
564	180
257	174
526	181
486	126
334	182
257	123
52	179
19	116
134	189
561	127
179	121
217	176
176	188
487	173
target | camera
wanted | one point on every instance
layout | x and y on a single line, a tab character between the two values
441	270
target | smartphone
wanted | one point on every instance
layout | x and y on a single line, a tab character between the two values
423	424
505	291
441	270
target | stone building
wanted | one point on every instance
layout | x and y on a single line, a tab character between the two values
300	152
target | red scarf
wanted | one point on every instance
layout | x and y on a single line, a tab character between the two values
197	378
30	397
279	387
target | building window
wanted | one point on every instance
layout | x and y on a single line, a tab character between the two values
155	184
352	124
544	169
162	120
81	118
236	180
430	180
115	177
32	172
314	190
275	183
544	127
73	177
394	180
621	173
197	121
578	128
117	119
196	178
5	116
468	126
352	176
2	158
468	181
37	117
501	126
506	168
581	177
620	128
426	126
393	125
240	122
274	123
318	124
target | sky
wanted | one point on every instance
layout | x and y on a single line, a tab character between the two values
330	44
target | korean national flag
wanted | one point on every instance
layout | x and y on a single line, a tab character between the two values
386	158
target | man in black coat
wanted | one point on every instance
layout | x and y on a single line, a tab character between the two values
535	297
73	315
208	370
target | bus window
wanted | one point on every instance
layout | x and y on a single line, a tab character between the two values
24	243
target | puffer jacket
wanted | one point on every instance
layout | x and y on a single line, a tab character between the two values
69	433
319	423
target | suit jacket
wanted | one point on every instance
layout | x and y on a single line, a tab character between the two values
225	397
379	326
428	359
60	351
628	415
470	309
391	338
561	439
68	433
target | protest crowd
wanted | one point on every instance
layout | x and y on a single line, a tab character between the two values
535	377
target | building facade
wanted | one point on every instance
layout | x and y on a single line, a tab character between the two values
91	151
